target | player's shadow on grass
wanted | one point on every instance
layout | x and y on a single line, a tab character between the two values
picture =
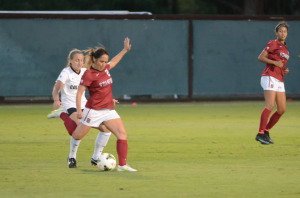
97	171
114	173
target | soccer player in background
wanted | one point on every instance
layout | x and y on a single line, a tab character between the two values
67	84
275	55
99	107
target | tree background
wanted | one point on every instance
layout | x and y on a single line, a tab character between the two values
224	7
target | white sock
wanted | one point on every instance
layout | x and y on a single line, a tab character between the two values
100	143
74	144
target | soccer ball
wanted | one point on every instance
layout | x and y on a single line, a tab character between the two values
107	162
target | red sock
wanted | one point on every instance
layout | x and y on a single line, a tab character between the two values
273	120
264	120
122	149
69	123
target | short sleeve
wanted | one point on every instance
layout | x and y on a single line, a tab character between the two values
86	79
271	46
63	76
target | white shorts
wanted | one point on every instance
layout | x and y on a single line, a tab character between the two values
271	83
94	118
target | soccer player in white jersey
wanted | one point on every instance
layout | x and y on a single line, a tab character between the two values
67	84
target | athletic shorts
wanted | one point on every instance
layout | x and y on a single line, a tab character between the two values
271	83
72	110
94	118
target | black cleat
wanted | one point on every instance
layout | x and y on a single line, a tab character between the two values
94	162
72	162
261	139
267	137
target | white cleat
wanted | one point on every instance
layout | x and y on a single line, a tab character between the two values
56	113
126	168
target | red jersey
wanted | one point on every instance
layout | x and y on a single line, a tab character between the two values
99	84
277	52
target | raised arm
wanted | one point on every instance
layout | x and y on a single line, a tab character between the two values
127	46
80	92
55	94
263	58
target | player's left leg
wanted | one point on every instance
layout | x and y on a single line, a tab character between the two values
270	96
116	126
76	137
281	108
74	144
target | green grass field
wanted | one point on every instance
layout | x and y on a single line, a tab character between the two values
204	149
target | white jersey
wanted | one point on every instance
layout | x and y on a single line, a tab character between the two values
71	82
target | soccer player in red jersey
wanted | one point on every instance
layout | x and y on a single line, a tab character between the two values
100	107
67	84
275	55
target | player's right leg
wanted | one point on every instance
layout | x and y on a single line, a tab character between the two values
100	143
56	113
69	123
80	131
116	126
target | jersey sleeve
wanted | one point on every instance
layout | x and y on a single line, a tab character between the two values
86	79
63	76
271	46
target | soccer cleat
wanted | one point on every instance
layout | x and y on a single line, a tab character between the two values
56	113
126	168
72	162
267	137
261	139
94	162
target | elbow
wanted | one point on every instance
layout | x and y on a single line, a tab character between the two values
258	58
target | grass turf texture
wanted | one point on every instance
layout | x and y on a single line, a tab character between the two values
202	149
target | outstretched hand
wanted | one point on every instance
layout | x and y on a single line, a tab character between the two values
127	45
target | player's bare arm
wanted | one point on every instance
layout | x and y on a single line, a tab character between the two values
55	94
115	60
80	92
263	58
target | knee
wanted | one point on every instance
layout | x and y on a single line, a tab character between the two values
270	106
122	134
76	136
281	111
